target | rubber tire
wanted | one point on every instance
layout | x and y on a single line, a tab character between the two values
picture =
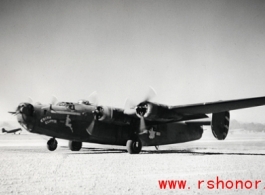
52	144
132	147
75	146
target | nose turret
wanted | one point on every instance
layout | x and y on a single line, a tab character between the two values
25	115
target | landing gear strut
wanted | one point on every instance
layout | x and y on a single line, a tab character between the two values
75	146
134	146
52	144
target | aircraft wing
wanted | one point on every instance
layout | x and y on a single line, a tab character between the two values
219	106
158	113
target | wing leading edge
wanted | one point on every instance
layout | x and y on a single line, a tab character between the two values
220	106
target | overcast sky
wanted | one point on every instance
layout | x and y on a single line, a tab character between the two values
189	51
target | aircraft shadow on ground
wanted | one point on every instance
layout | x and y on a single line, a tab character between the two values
86	150
201	153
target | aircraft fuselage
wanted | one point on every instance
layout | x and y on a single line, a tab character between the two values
74	125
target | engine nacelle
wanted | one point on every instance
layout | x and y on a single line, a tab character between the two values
108	114
146	110
220	125
151	110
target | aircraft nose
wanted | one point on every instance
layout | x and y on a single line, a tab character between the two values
25	112
26	109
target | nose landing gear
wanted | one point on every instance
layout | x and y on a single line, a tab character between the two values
52	144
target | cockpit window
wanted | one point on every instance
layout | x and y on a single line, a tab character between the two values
85	102
64	104
68	105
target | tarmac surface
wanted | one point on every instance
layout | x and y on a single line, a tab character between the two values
27	167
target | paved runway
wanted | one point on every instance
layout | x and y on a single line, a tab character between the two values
27	167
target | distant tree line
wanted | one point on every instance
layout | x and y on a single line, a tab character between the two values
247	126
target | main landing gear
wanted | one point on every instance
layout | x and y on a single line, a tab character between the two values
75	146
52	144
134	146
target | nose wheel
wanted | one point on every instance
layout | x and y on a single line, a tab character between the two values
52	144
134	146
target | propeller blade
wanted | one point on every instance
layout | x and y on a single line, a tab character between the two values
54	100
12	112
129	104
93	98
30	100
151	93
91	127
129	107
15	112
142	124
126	104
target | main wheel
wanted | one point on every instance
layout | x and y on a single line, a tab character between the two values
75	146
52	144
134	146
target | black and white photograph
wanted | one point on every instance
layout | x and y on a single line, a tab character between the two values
132	97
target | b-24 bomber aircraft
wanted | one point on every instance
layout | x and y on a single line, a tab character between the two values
144	124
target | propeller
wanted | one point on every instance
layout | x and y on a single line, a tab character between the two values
19	107
54	100
91	127
98	113
30	100
93	98
131	107
24	108
140	108
142	125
